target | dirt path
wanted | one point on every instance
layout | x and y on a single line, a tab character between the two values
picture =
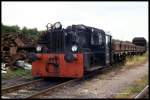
105	87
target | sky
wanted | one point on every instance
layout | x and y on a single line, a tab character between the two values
123	20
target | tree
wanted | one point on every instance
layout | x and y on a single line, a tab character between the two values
7	29
30	33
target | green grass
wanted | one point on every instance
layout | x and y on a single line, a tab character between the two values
137	59
17	73
131	62
134	89
138	85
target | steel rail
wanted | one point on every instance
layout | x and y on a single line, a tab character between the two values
15	87
51	88
62	84
143	93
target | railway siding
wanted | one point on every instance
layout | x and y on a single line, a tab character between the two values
30	88
99	87
143	93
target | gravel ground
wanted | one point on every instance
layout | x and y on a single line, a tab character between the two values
103	85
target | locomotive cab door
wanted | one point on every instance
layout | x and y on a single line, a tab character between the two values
107	50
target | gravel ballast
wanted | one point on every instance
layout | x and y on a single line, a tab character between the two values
105	87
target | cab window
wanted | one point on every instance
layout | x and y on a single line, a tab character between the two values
96	39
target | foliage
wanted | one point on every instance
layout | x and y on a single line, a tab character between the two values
31	33
7	29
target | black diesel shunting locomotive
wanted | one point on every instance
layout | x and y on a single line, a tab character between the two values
78	49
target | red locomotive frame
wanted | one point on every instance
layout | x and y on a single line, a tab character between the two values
45	67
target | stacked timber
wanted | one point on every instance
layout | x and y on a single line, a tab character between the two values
14	46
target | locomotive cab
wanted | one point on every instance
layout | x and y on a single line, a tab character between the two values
94	44
71	52
99	55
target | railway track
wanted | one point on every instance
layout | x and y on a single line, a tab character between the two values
25	90
15	87
143	93
36	88
65	83
14	82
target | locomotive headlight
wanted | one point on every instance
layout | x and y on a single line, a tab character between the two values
57	25
38	48
74	48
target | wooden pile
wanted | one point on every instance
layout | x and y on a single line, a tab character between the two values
15	47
